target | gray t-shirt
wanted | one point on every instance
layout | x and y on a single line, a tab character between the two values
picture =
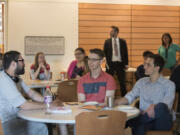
10	96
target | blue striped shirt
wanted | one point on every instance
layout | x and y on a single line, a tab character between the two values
163	90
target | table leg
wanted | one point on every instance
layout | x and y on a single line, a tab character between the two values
63	129
74	126
50	128
43	91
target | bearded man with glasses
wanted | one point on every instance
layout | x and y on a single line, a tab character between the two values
97	84
12	100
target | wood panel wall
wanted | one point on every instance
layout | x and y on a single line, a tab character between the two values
141	26
148	25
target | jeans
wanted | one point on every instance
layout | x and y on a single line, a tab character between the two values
22	127
119	69
162	121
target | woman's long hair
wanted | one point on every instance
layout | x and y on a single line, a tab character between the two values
36	64
86	68
167	35
80	49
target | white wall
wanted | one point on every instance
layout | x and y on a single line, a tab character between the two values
53	18
43	18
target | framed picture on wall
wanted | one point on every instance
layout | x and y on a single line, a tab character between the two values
53	45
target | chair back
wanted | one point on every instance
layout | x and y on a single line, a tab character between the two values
67	91
101	123
1	129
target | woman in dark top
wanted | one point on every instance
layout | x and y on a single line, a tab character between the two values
78	67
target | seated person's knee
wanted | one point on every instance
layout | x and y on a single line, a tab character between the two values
161	108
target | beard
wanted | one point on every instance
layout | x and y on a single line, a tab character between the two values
19	70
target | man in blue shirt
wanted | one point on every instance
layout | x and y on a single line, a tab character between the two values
156	99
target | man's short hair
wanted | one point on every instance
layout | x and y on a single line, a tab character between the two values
158	61
116	29
147	53
97	51
9	57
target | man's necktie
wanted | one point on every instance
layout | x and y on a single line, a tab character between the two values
115	48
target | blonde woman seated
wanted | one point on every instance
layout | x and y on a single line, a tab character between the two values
40	69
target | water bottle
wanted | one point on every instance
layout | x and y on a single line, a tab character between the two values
48	97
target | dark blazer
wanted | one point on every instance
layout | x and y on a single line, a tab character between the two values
123	51
175	77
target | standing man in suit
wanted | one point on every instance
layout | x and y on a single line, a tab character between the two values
116	54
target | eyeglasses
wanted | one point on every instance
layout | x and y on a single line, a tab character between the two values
77	54
93	59
147	64
22	60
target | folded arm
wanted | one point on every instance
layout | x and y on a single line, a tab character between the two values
35	96
30	105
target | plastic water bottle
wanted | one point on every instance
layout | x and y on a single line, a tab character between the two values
48	97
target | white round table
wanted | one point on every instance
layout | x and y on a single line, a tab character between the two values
69	118
42	83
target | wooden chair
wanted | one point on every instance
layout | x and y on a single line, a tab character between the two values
101	123
67	91
170	132
159	133
1	129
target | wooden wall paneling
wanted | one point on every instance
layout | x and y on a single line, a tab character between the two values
155	30
152	36
88	41
104	18
89	46
140	52
155	19
101	29
104	6
102	35
155	13
142	26
104	12
152	7
155	24
149	47
104	23
148	25
95	21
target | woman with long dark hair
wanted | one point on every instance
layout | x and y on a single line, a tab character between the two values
168	51
78	67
